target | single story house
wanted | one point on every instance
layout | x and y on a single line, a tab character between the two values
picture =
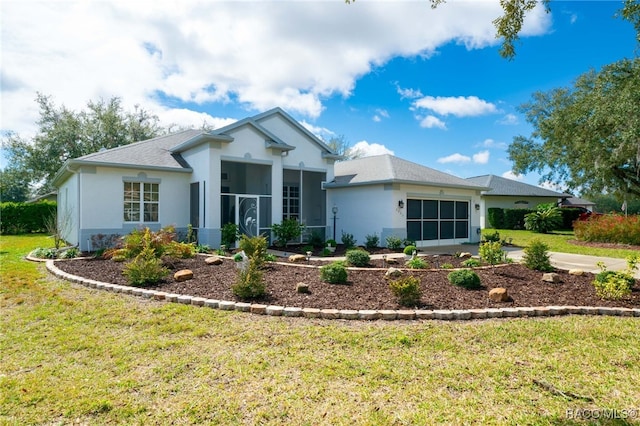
254	172
511	194
578	203
387	196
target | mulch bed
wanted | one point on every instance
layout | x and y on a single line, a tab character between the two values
367	288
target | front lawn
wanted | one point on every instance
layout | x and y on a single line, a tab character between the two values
75	355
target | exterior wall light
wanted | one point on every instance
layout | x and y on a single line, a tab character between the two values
401	204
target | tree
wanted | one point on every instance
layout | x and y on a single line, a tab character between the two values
509	25
341	146
64	134
14	185
588	135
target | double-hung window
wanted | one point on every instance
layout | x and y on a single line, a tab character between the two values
141	201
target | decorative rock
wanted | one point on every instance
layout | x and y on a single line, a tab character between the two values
184	299
243	306
302	288
183	275
392	273
211	303
443	314
405	314
388	314
461	314
578	272
392	261
424	314
226	305
198	301
464	255
291	311
478	313
365	314
297	258
213	260
259	309
348	314
499	294
551	277
275	311
329	313
311	312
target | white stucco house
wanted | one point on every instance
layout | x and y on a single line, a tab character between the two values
511	194
254	172
388	196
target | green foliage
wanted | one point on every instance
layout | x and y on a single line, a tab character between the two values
569	216
543	220
536	256
229	234
250	284
162	242
255	248
179	250
394	243
464	278
495	215
202	248
71	253
492	253
514	218
446	266
583	136
286	231
14	184
417	263
609	229
616	285
408	250
348	240
334	273
371	241
23	218
407	290
145	269
471	263
238	257
491	237
331	243
64	134
316	239
358	257
44	253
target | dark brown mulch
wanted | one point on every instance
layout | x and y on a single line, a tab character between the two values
367	287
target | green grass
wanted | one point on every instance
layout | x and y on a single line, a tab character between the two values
559	241
75	355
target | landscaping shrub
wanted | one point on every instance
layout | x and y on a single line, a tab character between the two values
491	236
348	240
446	266
492	253
145	269
569	215
316	239
543	220
610	228
331	243
334	273
229	235
180	250
464	278
44	253
393	243
289	229
536	256
358	258
471	263
615	285
514	218
417	263
250	284
23	218
371	241
407	290
408	250
71	253
495	215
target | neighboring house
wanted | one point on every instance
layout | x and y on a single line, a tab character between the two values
388	196
50	196
578	203
511	194
255	172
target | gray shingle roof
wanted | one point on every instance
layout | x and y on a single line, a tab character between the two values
390	169
508	187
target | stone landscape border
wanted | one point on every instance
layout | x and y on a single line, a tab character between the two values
344	314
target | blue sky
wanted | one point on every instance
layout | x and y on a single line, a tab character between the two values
426	85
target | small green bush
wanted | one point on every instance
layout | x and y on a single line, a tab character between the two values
491	237
616	285
254	248
237	257
348	240
536	256
44	253
334	273
358	258
446	266
250	284
371	241
471	263
394	243
417	263
316	239
180	250
496	217
543	220
325	252
464	278
492	253
286	231
71	253
145	269
229	235
408	250
202	248
407	290
331	243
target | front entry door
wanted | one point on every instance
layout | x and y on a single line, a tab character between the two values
247	215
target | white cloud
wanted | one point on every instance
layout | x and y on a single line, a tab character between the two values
431	121
508	120
258	55
454	158
492	144
380	114
366	149
187	118
481	157
321	132
459	106
510	175
409	93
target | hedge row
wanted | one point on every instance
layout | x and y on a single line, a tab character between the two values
23	218
500	218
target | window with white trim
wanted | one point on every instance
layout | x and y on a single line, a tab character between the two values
290	202
141	200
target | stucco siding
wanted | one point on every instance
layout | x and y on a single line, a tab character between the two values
68	210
